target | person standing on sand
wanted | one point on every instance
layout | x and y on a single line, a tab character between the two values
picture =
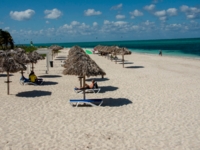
160	53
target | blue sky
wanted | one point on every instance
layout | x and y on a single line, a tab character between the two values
48	21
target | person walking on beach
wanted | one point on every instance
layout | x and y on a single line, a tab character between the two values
160	53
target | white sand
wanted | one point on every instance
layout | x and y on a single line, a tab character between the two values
153	105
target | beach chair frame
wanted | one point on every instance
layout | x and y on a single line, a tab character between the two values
22	82
91	102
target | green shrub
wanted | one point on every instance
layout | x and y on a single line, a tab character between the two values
27	48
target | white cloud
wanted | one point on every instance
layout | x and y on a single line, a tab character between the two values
117	7
172	11
136	13
135	27
22	15
148	23
52	14
114	27
156	1
184	8
174	27
66	26
95	24
75	23
106	22
76	28
92	12
120	16
150	7
132	17
190	12
117	23
163	18
47	22
6	28
160	13
120	23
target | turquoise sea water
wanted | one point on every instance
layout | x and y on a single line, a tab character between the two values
173	47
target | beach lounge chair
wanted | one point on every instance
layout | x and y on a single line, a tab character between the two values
92	102
25	81
96	89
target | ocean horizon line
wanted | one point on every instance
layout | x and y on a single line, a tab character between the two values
153	40
178	47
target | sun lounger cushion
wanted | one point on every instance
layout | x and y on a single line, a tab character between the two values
92	102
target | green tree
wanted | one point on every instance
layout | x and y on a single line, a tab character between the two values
6	39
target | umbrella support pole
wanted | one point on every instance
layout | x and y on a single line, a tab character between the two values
32	68
22	73
84	87
8	81
123	58
80	79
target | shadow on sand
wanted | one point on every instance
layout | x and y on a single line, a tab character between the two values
60	59
49	83
115	102
119	60
110	102
5	75
98	79
34	93
134	67
126	63
105	89
50	76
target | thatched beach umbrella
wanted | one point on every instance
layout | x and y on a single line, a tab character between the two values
75	49
9	64
34	57
21	57
104	50
55	49
121	51
82	65
74	53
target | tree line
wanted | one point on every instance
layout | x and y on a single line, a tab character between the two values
6	40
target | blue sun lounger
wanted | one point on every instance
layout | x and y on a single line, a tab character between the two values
92	102
25	81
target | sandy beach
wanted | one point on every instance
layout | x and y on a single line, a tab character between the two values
151	104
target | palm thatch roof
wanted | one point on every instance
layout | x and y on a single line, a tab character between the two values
121	51
112	50
8	64
104	49
34	57
73	53
75	49
80	64
21	56
55	47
